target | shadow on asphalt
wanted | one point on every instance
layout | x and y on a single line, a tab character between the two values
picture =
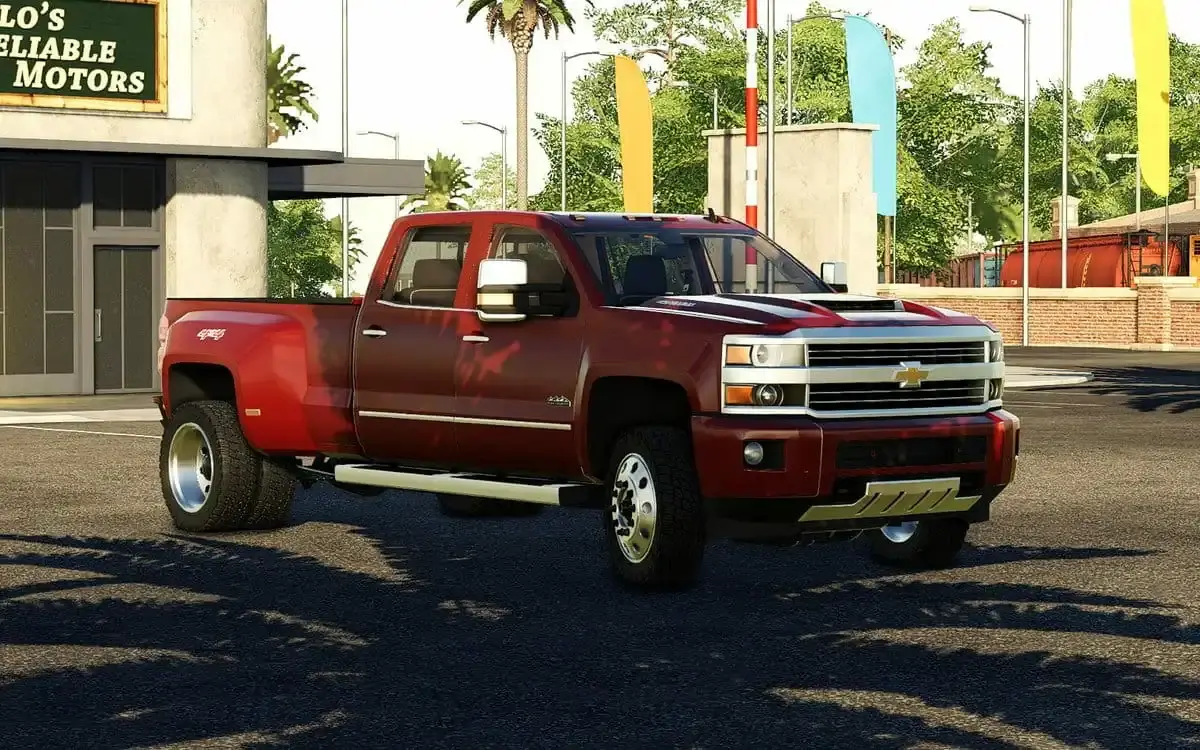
459	650
1143	388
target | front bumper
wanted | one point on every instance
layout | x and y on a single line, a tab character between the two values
869	468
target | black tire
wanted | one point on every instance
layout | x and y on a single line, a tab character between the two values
935	544
462	506
233	468
272	507
676	546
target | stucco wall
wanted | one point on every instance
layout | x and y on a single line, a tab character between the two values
826	206
216	52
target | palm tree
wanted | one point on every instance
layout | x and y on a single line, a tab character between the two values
517	21
288	105
446	185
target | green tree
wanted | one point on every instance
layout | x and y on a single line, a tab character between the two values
304	249
518	21
487	192
665	27
288	103
954	121
446	186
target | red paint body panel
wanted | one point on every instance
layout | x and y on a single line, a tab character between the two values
810	452
290	361
423	394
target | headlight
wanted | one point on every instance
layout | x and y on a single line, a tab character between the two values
765	355
996	351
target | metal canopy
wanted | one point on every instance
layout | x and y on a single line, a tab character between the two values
292	173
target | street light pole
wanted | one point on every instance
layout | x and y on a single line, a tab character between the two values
562	145
791	22
345	143
1066	109
1025	96
395	155
503	157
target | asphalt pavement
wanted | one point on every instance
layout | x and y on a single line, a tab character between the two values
1073	621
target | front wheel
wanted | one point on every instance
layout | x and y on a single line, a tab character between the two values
933	543
654	526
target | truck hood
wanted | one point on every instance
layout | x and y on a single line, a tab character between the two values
783	312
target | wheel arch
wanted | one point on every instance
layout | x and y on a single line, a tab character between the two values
616	403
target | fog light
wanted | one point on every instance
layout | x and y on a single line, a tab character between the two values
753	453
996	389
768	395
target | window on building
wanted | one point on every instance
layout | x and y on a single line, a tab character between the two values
124	196
430	265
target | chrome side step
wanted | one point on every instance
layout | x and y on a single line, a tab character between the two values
518	489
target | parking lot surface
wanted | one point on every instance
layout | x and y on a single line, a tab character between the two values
1072	622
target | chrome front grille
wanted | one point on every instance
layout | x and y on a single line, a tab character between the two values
842	397
876	354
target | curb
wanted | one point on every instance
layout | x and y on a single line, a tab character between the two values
79	417
1047	379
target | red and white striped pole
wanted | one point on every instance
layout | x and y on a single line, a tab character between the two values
751	139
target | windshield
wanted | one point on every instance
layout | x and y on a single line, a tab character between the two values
637	266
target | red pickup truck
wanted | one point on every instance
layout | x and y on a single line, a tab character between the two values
505	361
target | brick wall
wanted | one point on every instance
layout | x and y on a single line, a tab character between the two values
1161	313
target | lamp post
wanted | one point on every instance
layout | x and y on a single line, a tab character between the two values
1024	21
791	22
562	145
1137	168
345	143
503	157
1066	110
395	155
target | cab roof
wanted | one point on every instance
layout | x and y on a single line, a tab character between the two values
616	222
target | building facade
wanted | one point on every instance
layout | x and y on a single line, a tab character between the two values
133	167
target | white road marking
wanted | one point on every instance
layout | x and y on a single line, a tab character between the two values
79	432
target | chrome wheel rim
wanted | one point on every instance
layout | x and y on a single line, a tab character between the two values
190	467
634	508
900	532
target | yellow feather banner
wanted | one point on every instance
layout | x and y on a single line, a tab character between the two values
637	137
1152	62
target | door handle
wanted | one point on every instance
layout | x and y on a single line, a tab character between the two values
475	339
98	325
375	332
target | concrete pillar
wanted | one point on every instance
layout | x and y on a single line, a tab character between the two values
1056	213
1193	179
826	208
216	228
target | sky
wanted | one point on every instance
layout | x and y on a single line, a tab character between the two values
418	70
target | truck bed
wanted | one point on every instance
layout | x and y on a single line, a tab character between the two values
304	347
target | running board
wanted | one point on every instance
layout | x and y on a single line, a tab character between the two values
517	489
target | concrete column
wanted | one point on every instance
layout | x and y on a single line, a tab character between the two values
825	205
216	224
1056	213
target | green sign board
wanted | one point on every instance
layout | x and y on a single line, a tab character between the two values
84	54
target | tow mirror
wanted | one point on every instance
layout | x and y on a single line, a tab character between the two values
833	273
505	295
500	281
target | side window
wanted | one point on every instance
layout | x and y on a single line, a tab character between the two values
531	246
430	265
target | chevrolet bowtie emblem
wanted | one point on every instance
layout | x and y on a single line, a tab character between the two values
910	375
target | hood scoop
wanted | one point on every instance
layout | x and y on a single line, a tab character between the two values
858	305
834	303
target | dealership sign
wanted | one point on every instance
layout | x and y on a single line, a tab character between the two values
84	54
